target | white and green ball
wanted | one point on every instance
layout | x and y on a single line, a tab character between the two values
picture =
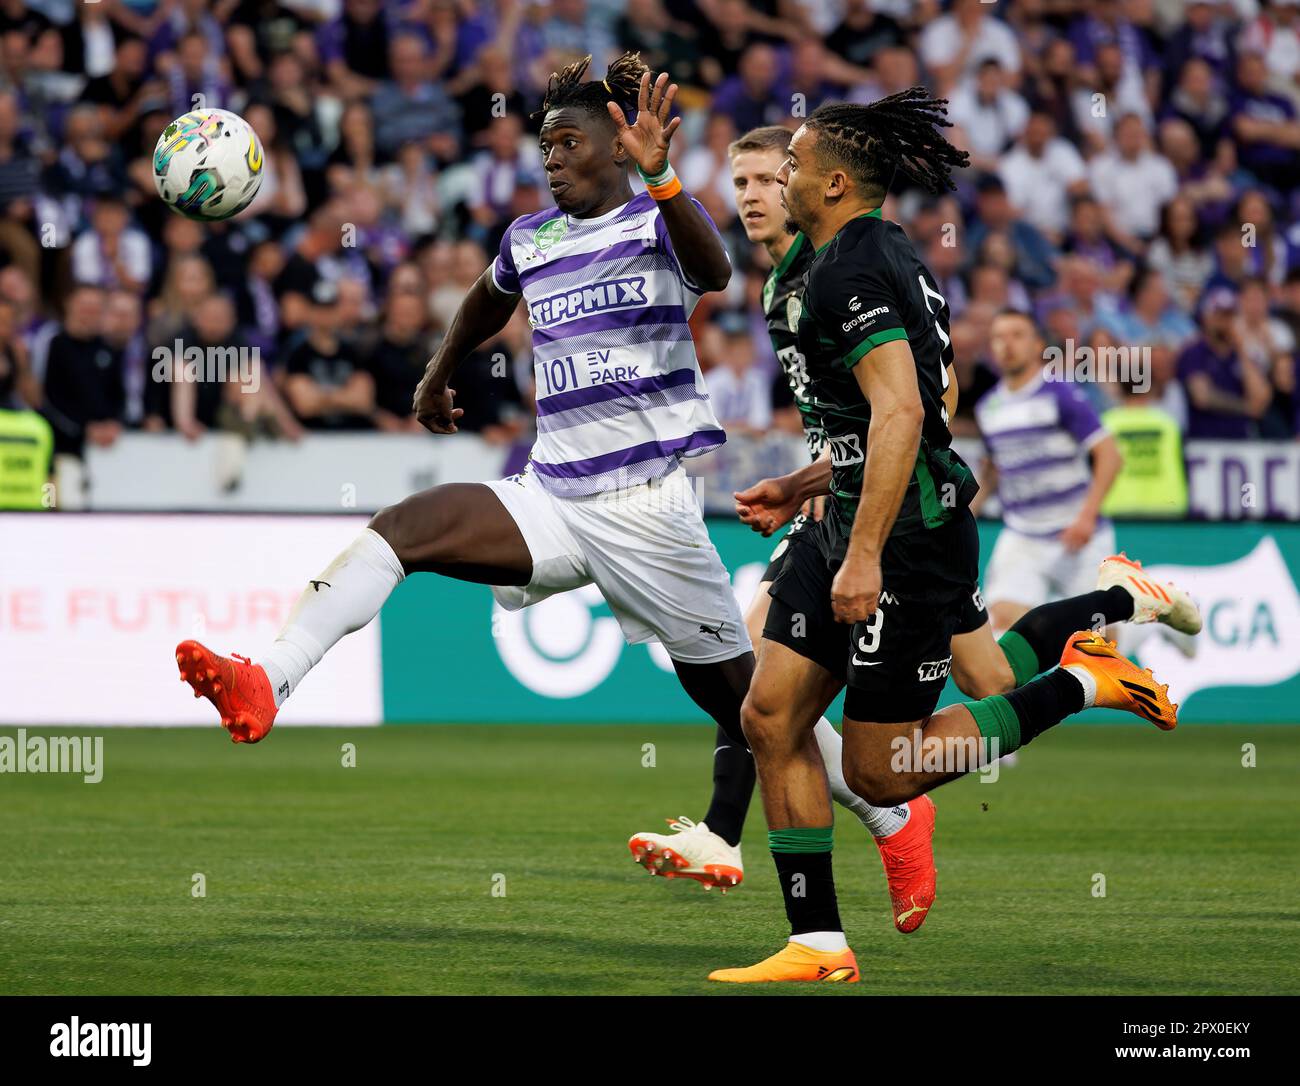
208	164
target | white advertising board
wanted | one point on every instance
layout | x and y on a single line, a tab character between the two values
92	606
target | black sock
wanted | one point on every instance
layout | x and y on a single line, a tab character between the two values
809	891
733	785
1045	701
1046	628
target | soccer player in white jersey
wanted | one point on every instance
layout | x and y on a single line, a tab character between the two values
609	280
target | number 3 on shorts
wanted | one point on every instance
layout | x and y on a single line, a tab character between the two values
870	639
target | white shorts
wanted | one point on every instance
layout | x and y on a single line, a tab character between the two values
645	547
1032	570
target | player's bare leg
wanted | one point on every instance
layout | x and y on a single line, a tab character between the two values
889	763
1004	614
789	692
1031	644
460	530
980	665
709	851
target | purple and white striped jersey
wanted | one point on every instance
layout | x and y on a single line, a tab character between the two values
1039	437
620	396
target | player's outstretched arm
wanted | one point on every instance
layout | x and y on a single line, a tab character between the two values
482	314
699	249
771	503
887	376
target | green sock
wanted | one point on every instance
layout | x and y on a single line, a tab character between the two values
1022	658
996	720
801	839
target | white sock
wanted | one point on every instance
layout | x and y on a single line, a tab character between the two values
826	941
880	821
1088	683
343	598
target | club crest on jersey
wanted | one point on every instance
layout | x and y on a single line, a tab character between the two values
930	670
846	449
549	233
612	294
793	307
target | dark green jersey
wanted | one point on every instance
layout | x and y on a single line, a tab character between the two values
782	303
866	287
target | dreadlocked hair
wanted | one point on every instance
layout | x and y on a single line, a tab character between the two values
566	88
895	134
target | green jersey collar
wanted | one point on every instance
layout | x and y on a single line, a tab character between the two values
790	254
874	213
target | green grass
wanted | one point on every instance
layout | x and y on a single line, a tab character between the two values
322	879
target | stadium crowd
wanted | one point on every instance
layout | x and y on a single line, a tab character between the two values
1132	182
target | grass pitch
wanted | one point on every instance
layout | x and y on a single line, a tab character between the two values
380	878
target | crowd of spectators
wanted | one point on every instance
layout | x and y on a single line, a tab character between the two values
1132	182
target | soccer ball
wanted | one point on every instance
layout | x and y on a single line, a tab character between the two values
207	164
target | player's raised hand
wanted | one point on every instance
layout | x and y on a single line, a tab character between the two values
433	407
768	504
855	592
647	140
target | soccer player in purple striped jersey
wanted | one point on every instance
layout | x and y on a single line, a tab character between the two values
609	279
1052	463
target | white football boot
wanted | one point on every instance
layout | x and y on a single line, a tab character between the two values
1152	601
691	851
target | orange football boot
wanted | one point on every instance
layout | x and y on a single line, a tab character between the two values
794	961
908	856
1121	684
238	688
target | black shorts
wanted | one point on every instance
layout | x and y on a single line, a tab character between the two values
797	526
973	613
896	663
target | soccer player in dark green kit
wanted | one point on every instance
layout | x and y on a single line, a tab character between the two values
896	559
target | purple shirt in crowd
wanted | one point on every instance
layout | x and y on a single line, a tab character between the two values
1224	372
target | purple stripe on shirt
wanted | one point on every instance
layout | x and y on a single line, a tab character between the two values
1022	431
1052	533
1043	499
624	319
649	333
648	450
610	390
1041	462
624	250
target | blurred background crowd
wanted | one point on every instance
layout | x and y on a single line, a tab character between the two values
1132	182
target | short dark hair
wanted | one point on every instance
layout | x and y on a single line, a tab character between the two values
1024	314
770	137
